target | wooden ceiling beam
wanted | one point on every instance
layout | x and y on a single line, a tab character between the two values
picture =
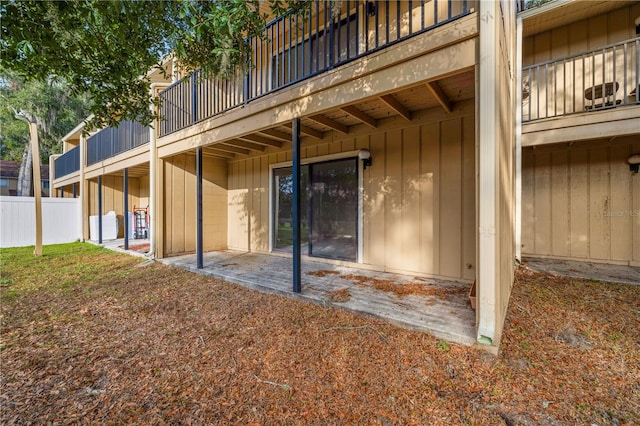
284	137
395	105
309	131
440	96
359	115
262	140
210	152
245	144
231	148
325	121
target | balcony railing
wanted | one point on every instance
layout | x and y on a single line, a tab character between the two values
601	79
298	47
114	140
67	163
523	5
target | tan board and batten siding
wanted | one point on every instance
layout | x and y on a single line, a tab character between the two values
582	202
179	198
418	197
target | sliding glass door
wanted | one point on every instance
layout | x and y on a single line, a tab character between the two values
329	209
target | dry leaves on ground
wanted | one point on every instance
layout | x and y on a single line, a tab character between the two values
161	345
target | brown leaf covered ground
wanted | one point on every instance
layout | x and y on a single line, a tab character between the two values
93	337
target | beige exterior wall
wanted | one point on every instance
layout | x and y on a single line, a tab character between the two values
418	196
179	204
582	202
68	191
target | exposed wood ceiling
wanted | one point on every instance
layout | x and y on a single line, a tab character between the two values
566	13
402	103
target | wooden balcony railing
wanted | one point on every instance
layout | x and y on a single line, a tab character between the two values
299	47
112	141
67	163
601	79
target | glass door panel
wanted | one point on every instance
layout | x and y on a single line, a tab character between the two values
283	209
334	209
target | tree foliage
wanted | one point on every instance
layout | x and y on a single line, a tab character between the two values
50	103
106	48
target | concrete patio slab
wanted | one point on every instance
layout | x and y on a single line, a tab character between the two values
585	270
136	247
438	307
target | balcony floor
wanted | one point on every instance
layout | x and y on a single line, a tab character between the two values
438	307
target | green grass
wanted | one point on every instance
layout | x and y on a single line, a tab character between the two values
61	268
285	236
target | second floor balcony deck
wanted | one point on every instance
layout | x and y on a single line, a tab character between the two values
598	80
299	47
67	163
112	141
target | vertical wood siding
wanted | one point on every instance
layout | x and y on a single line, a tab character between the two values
419	202
582	202
179	210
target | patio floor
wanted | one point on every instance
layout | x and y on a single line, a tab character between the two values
136	247
586	270
438	307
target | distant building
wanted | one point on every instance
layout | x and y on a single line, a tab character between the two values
9	171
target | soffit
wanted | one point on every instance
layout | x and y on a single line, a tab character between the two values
569	12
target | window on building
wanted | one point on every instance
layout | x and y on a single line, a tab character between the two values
4	182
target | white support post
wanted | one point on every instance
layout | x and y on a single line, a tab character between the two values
153	153
518	147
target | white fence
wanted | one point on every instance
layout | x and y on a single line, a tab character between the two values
61	221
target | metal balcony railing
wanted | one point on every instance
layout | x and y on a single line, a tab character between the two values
523	5
67	163
112	141
601	79
298	47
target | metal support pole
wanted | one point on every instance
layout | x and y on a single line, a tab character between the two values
62	192
99	209
75	193
297	276
125	185
199	256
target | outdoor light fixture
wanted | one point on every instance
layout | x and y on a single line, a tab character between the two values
634	162
365	156
637	25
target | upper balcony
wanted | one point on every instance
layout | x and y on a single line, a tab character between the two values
67	163
111	141
581	71
597	80
101	147
299	47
